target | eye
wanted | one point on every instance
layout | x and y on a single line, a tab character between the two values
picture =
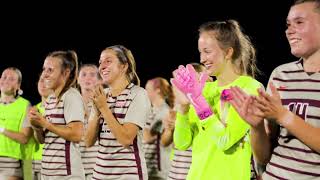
207	51
92	74
288	25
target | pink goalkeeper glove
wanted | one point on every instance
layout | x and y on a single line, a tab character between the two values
185	79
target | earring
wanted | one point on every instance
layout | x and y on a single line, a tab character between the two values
20	92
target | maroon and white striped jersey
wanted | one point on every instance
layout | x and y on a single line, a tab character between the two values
115	161
61	159
180	164
88	154
300	93
157	156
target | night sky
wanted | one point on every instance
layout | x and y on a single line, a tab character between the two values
161	36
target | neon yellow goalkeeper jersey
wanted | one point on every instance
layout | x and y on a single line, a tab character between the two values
220	151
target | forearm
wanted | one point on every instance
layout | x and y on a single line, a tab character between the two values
182	135
38	135
66	132
166	137
261	144
148	137
16	136
92	132
298	127
121	133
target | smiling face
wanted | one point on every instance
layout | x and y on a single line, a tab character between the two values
211	55
88	77
110	67
9	82
42	89
303	29
52	73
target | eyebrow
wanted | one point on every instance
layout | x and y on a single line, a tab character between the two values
296	18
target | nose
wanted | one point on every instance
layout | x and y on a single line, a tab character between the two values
202	59
44	74
290	30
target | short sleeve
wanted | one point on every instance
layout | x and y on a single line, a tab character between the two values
74	109
139	109
26	122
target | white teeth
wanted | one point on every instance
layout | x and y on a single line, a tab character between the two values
105	72
293	41
47	82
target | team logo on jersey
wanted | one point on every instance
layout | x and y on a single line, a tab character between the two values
299	108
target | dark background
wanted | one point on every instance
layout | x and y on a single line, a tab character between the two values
161	36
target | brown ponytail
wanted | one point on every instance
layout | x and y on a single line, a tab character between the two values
69	60
229	34
125	57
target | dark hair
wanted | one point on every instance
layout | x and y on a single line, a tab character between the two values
125	57
317	3
229	34
69	60
165	89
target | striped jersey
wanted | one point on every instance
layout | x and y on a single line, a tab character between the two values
61	159
114	161
157	156
300	93
88	154
180	164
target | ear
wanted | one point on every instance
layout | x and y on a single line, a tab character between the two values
66	73
229	53
158	91
125	67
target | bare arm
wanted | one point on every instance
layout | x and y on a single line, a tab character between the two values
38	134
305	132
22	137
167	134
148	137
167	137
125	133
261	144
92	131
272	108
72	131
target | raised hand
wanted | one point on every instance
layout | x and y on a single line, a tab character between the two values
246	106
185	79
180	100
270	105
169	120
36	119
99	98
